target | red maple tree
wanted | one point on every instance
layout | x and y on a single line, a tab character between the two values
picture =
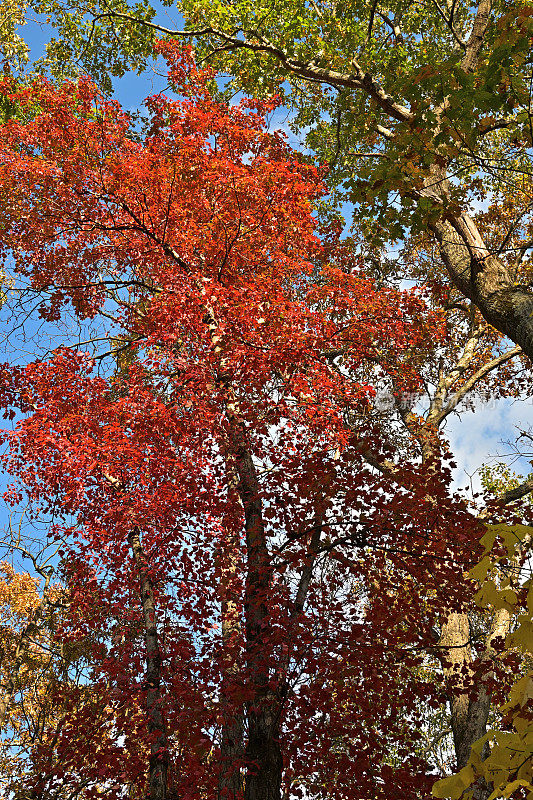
217	475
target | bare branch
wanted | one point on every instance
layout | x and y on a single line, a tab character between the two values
449	23
456	398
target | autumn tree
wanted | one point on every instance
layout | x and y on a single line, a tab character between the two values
422	114
47	690
23	658
239	529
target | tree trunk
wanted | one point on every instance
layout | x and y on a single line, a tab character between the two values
264	761
263	778
470	708
263	752
455	639
159	759
230	785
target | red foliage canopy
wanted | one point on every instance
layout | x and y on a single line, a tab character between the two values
227	448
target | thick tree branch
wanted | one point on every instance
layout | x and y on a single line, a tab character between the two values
477	36
358	79
486	280
518	492
446	381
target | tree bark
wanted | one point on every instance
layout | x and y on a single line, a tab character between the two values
455	641
470	706
263	778
485	280
159	758
230	785
263	751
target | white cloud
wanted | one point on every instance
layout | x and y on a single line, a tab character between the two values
486	434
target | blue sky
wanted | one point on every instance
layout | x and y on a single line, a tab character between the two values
131	89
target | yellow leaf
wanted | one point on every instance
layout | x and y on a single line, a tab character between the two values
479	572
528	738
521	725
454	786
507	791
512	535
488	538
478	746
490	594
523	636
520	692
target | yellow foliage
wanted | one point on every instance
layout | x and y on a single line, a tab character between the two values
19	599
509	765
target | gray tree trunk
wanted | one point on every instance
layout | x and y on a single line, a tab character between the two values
159	758
469	709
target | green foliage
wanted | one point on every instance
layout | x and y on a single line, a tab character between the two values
13	48
498	478
105	48
418	65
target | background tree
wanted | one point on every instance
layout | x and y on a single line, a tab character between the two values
51	705
502	759
13	48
